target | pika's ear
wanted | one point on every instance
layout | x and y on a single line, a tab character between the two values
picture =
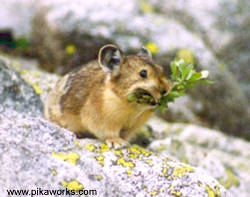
109	58
145	52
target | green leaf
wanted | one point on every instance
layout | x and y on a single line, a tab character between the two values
185	69
191	72
173	94
162	108
179	62
190	85
180	87
174	70
131	97
196	76
186	72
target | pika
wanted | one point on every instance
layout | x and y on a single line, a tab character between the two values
94	98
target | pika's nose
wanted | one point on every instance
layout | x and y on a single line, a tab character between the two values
163	92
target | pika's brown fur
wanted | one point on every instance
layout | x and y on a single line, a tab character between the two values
94	99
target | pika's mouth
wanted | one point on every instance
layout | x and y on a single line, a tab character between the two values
144	97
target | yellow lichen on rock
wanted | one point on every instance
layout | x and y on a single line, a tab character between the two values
138	150
132	156
175	193
149	162
72	185
217	190
165	164
118	153
133	152
99	177
70	157
90	147
100	159
54	172
28	76
181	171
103	148
37	89
164	171
153	193
77	144
145	152
210	191
134	149
64	183
123	162
129	172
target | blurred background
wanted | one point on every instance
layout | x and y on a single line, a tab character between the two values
214	35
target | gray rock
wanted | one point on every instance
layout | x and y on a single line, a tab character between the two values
40	81
225	158
16	93
37	154
233	19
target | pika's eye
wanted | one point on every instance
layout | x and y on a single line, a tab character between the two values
163	92
143	73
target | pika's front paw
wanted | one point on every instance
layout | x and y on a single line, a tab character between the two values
116	143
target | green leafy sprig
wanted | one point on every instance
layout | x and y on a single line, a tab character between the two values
183	77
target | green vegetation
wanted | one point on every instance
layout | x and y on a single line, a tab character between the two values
183	77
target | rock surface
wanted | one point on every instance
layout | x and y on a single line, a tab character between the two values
35	153
225	158
16	94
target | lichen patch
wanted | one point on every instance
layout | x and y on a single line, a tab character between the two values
72	185
70	157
